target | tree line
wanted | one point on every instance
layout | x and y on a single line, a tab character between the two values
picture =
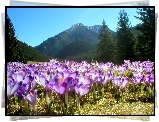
127	45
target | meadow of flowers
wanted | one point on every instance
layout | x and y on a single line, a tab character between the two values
74	88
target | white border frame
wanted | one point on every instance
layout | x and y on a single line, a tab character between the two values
76	3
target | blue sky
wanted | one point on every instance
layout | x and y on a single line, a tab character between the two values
35	25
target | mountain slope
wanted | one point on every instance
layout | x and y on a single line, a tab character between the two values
88	56
76	33
74	49
32	54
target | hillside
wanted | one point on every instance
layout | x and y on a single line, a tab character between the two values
74	49
88	56
76	33
32	54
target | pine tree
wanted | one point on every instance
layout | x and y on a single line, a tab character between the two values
13	49
124	38
105	45
145	46
115	45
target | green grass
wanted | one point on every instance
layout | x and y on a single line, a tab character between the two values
32	62
109	107
101	106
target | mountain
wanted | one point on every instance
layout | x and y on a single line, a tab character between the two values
88	56
95	28
76	33
77	43
75	48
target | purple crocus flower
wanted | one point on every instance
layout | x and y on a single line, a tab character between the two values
74	74
10	85
127	61
27	84
100	80
81	89
28	79
70	83
148	69
84	80
122	68
138	79
18	76
124	83
50	77
10	72
94	74
59	69
61	83
20	87
31	97
23	89
41	80
61	89
152	79
11	88
120	83
117	81
107	77
149	79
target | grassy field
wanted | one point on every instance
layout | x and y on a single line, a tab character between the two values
33	62
101	106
